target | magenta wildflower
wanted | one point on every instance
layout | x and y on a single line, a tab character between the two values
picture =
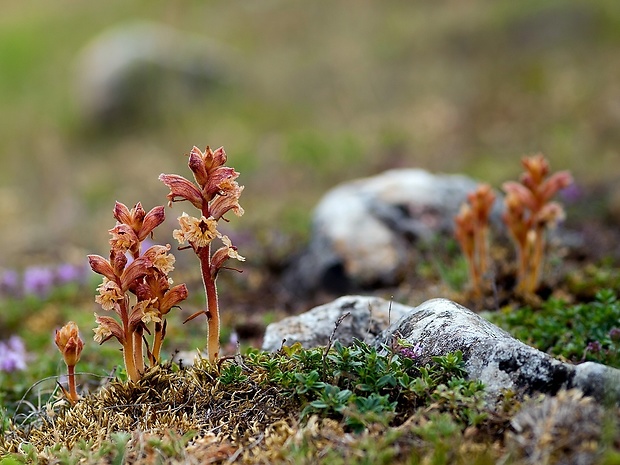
411	352
68	273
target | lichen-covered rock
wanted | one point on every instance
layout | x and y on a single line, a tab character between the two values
438	327
494	357
368	316
363	230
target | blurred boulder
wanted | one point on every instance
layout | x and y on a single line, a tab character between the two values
363	231
126	71
365	318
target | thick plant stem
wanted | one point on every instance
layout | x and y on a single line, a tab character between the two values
73	395
213	312
138	352
536	260
128	352
157	342
128	358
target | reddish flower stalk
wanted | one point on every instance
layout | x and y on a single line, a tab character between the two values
214	193
146	277
70	345
472	233
529	213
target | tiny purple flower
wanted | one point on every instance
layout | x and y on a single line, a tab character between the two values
571	194
614	334
411	352
12	354
70	273
38	280
9	283
594	347
234	338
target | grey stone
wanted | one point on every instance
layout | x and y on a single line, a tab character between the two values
494	357
368	316
134	64
441	326
363	231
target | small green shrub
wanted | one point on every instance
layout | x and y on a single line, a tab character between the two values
582	332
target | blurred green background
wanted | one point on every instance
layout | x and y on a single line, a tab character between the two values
305	94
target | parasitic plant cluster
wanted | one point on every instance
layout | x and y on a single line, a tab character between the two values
214	193
528	213
472	233
136	287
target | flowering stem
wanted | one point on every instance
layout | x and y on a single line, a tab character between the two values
128	353
157	341
73	395
138	352
537	260
213	312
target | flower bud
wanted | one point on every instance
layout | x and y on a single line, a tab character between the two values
69	343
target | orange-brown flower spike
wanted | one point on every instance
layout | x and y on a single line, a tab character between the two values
529	212
70	345
214	193
471	231
124	279
141	223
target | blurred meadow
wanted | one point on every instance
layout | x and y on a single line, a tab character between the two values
302	95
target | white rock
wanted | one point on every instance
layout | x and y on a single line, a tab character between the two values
441	326
494	357
363	230
368	317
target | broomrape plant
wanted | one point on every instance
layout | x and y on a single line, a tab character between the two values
214	193
472	233
146	277
70	344
528	213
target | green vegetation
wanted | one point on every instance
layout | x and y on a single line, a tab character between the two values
588	331
356	388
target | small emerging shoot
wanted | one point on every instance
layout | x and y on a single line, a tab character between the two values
70	346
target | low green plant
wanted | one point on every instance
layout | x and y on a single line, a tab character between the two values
362	385
586	331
